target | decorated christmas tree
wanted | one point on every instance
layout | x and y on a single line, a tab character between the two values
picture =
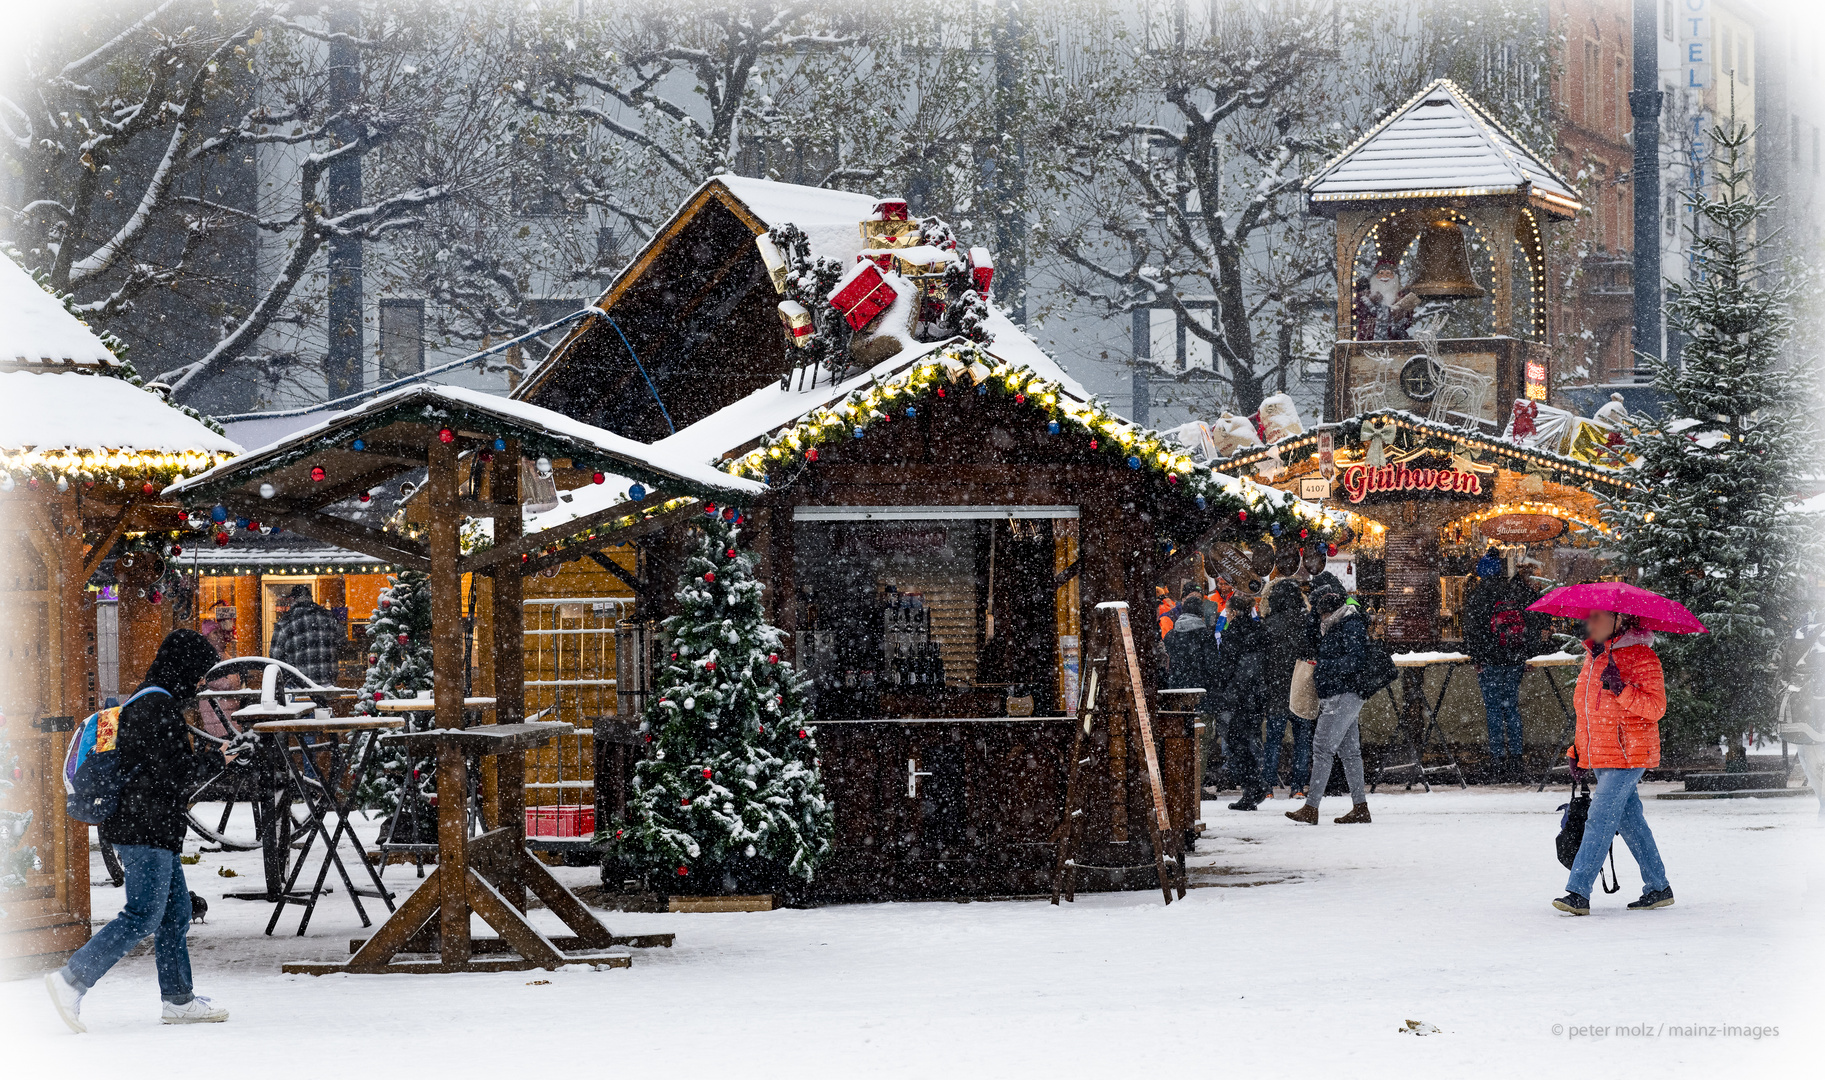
16	859
1709	519
729	797
399	666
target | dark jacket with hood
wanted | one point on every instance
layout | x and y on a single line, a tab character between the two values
1191	649
1498	628
1343	648
1241	683
1289	637
155	748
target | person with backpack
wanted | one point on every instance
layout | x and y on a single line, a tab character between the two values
146	830
1288	626
1343	663
1619	699
1500	635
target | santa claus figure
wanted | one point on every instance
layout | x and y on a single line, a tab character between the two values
1383	309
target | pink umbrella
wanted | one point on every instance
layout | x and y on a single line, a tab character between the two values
1652	611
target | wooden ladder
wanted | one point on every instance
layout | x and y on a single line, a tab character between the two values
1127	704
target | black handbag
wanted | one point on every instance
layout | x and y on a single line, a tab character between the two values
1571	834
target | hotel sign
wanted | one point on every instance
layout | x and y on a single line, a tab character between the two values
1384	483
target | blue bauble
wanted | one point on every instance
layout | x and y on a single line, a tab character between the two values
1276	528
1052	428
1133	462
1200	502
911	412
636	492
858	431
219	514
500	444
359	444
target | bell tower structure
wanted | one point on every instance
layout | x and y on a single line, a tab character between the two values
1442	275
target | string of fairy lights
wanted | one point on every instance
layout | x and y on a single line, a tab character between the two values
147	471
963	367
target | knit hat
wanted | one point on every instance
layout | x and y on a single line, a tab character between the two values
1489	566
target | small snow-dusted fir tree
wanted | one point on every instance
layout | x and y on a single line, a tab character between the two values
1709	518
730	797
16	859
399	666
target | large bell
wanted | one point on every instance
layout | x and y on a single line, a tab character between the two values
1444	263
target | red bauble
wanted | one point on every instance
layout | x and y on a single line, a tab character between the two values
811	454
729	554
940	391
1242	515
148	488
373	659
674	656
317	473
706	774
597	478
772	658
156	596
404	638
709	665
684	802
709	508
365	497
177	549
1330	549
1303	534
1172	478
379	696
803	734
1020	399
221	539
386	602
682	871
709	575
619	834
446	436
253	526
1092	444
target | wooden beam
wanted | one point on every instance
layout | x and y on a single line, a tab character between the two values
358	537
95	555
507	624
620	575
581	548
525	545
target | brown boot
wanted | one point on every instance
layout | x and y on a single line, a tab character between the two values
1357	816
1305	815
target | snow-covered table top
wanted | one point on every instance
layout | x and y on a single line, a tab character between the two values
1421	659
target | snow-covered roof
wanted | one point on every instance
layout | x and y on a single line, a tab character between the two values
577	437
47	410
1440	143
36	331
831	220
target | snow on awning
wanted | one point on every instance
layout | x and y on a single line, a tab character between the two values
71	410
36	332
1441	143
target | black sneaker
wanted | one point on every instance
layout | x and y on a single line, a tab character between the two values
1653	898
1573	904
1246	803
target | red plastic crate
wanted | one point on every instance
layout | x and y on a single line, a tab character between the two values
560	821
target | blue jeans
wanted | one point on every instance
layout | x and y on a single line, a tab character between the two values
158	902
1501	686
1302	749
1616	806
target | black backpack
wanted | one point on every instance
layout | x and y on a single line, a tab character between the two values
1571	834
1377	670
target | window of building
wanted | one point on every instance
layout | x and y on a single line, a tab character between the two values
1666	20
608	247
1742	60
402	338
1619	94
1592	79
1670	218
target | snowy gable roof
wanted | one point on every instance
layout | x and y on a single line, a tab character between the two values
540	430
1440	143
48	410
36	332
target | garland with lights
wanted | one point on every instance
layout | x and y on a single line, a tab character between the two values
148	471
962	367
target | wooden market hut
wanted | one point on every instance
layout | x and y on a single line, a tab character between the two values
84	457
937	532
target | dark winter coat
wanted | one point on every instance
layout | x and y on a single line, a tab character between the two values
154	747
1289	637
1190	651
1342	650
1241	684
1498	628
307	638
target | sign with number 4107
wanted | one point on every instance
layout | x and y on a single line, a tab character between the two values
1314	488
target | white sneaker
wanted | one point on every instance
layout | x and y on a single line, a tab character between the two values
198	1010
67	998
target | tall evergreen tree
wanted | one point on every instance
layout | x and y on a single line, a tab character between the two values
399	666
730	795
1709	518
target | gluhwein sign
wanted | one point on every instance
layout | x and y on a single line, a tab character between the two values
1362	482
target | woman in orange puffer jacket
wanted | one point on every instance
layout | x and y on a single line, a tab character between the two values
1620	698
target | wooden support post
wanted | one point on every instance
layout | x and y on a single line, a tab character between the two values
447	696
508	645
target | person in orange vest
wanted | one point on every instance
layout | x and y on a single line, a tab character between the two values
1166	611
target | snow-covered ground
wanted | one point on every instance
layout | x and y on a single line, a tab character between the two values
1301	948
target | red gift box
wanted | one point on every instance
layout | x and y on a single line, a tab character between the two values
982	269
864	298
560	821
892	210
